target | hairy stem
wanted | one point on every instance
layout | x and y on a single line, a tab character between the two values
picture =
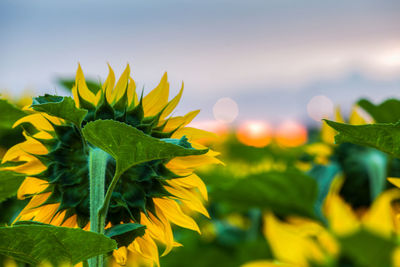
97	170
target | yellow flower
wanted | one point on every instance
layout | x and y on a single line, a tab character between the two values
298	241
153	194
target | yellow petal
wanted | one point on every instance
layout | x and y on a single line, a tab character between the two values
327	132
341	217
160	229
172	104
396	257
192	162
193	134
30	168
395	181
355	117
147	248
31	186
120	87
120	255
23	151
9	263
173	212
37	120
265	263
380	218
82	88
190	199
46	213
176	122
132	95
289	245
75	96
192	181
31	209
156	100
338	115
108	86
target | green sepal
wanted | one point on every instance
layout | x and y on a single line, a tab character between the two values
120	105
183	141
135	116
125	234
85	104
104	110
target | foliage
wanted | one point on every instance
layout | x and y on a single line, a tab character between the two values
33	243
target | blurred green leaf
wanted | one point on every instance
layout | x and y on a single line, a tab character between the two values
323	175
9	114
59	106
124	234
35	242
213	253
386	112
9	184
285	193
382	136
236	151
69	83
130	146
367	249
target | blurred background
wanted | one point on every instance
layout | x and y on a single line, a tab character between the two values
263	72
269	58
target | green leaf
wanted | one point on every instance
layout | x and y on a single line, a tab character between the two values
9	183
285	193
382	136
125	233
33	243
59	106
130	146
386	112
367	249
9	114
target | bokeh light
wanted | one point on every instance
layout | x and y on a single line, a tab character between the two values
291	134
225	110
255	133
320	107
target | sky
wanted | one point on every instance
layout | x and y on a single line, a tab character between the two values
271	57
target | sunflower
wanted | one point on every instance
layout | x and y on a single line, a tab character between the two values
154	194
300	241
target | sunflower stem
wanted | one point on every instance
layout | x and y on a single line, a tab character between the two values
97	170
102	212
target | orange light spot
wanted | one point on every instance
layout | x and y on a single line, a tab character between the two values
291	134
254	133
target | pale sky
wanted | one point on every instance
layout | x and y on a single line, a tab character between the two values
270	56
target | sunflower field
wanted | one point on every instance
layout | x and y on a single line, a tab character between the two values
113	177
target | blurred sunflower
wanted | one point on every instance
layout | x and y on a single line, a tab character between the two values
300	242
154	194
